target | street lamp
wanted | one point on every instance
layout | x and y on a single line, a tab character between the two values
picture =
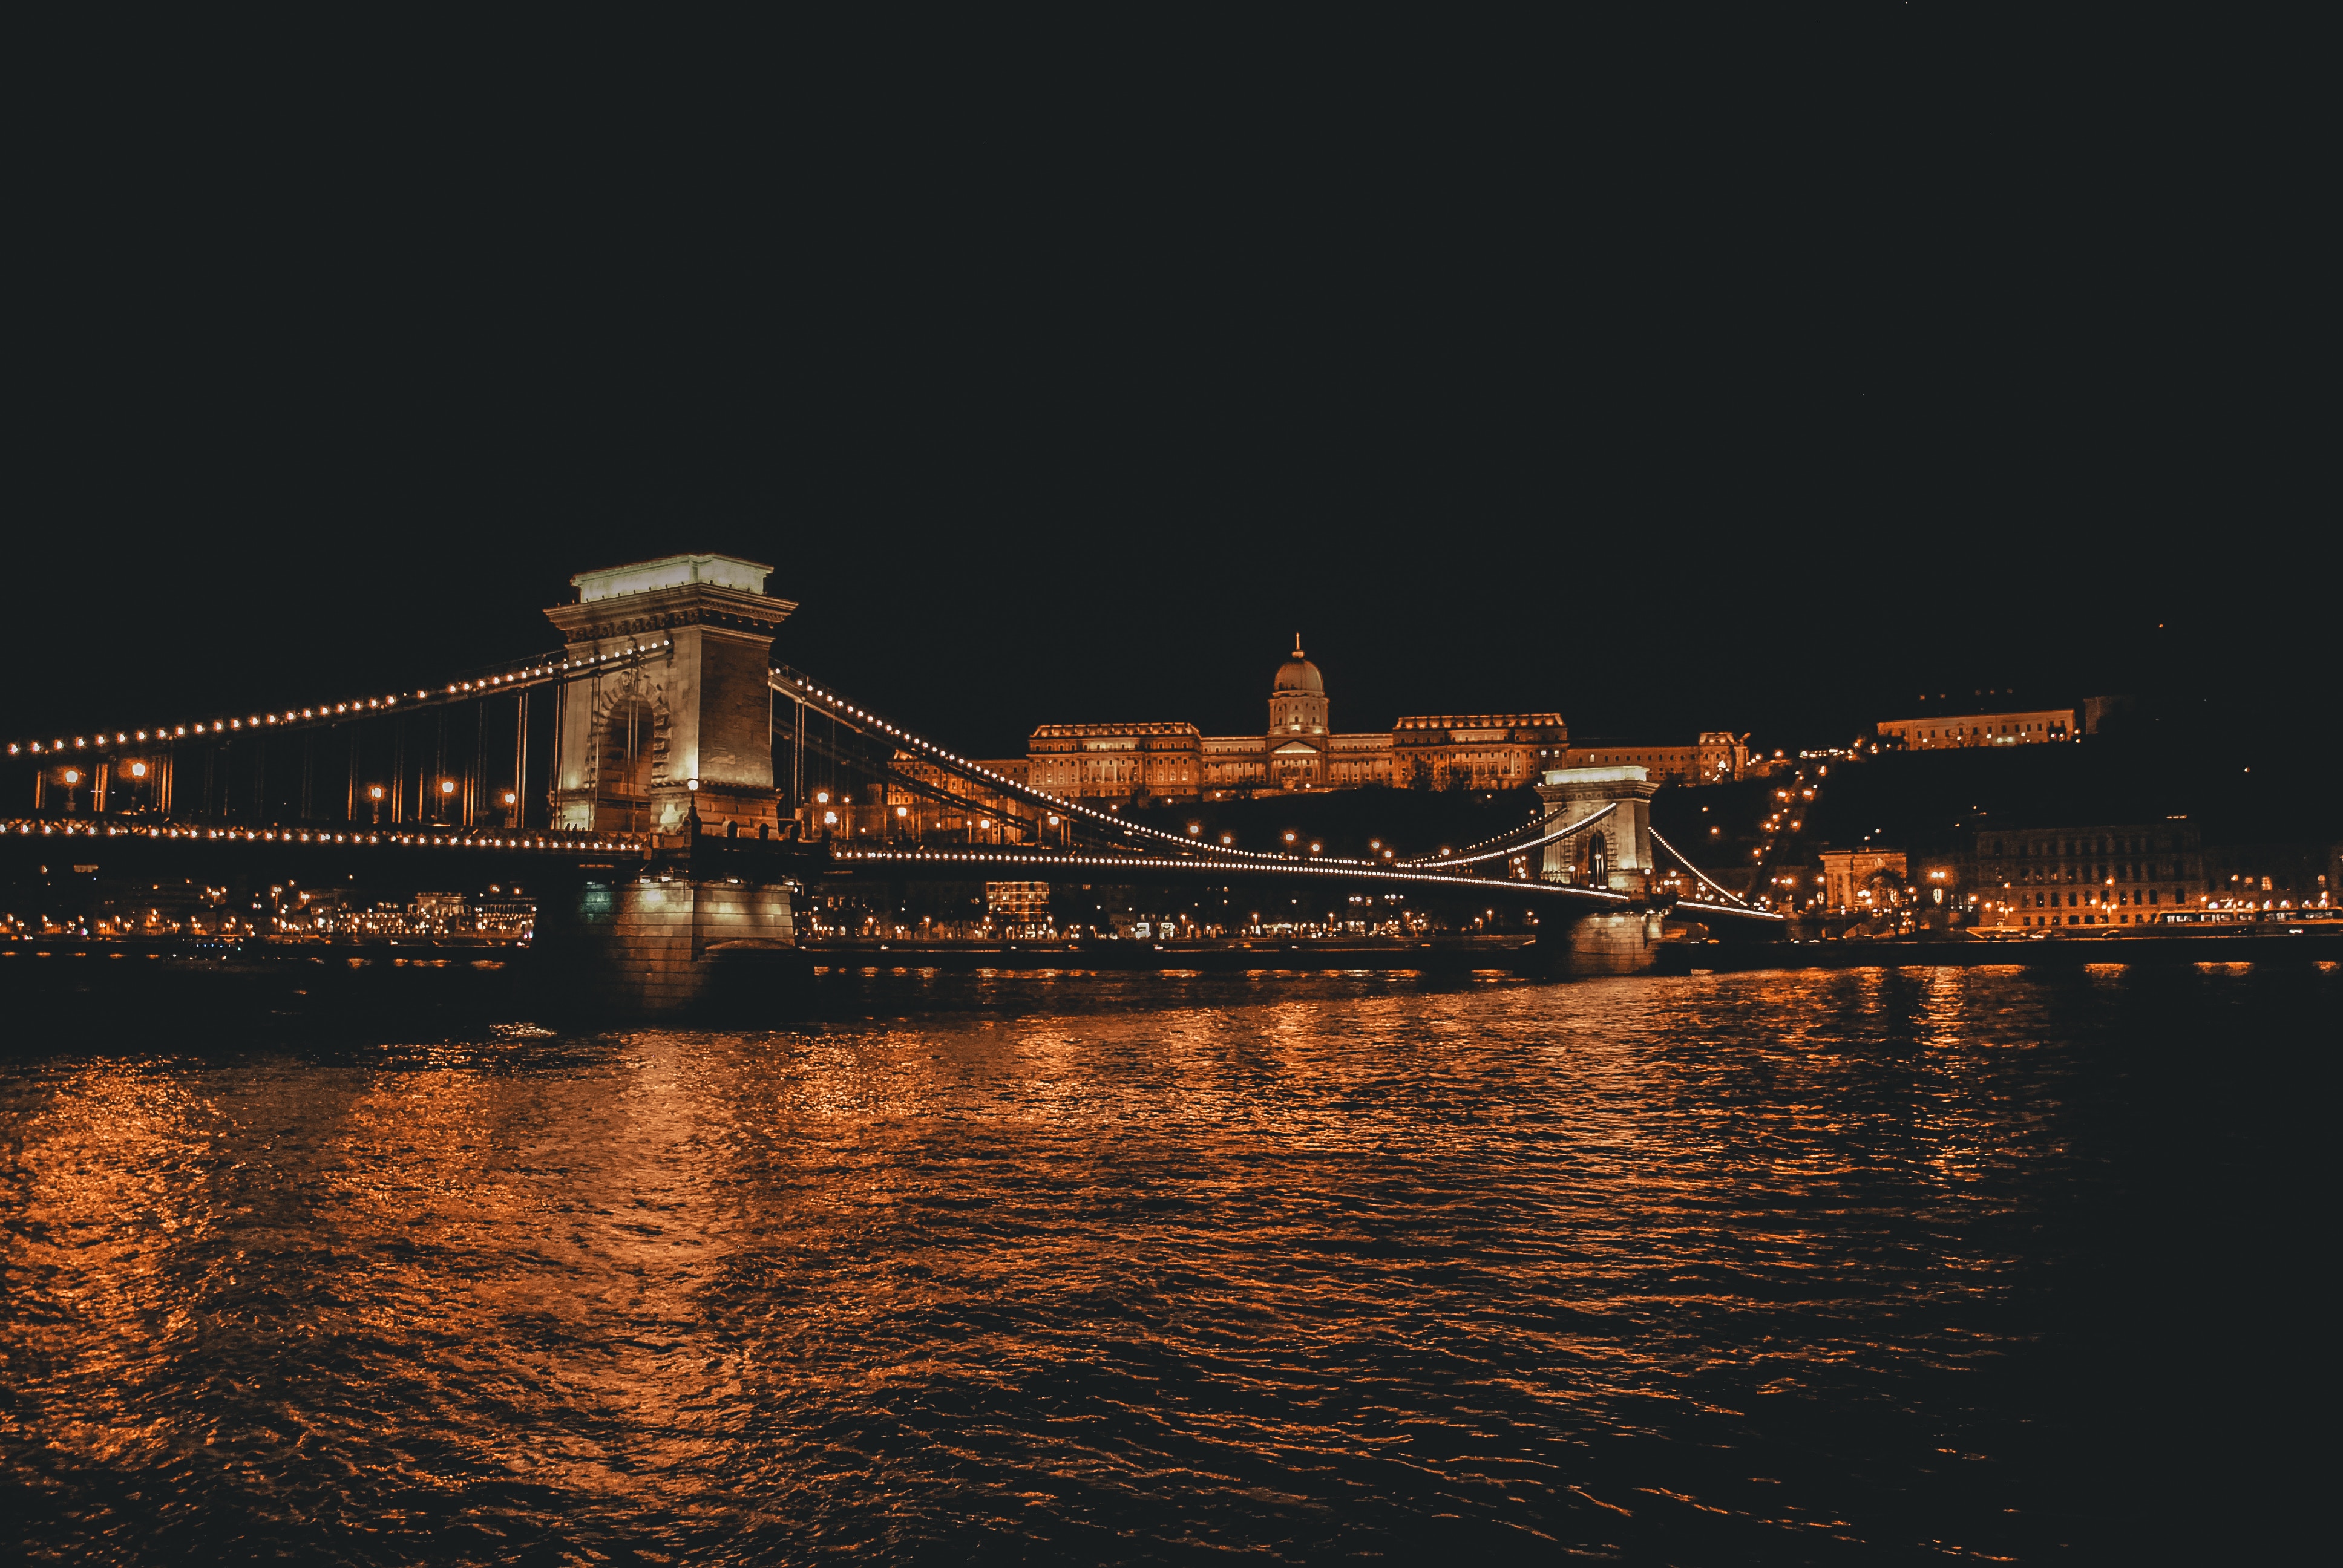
374	793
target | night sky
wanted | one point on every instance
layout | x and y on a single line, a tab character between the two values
1770	410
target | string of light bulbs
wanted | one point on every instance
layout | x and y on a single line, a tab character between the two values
321	837
1583	822
1491	838
607	845
996	857
337	712
786	684
1696	870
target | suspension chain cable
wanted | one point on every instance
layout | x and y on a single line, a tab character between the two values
1493	838
976	772
1517	849
1696	870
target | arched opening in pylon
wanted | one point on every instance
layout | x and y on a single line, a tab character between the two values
626	754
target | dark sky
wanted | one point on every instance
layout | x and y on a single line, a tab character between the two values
1783	380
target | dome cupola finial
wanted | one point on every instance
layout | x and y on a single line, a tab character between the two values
1297	673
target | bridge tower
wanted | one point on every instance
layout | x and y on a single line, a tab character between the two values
1615	853
668	711
666	728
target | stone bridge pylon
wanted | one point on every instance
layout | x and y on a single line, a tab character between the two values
1615	853
666	727
670	710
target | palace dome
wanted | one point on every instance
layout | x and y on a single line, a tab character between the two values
1298	674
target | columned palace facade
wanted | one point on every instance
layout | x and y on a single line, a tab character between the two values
1298	750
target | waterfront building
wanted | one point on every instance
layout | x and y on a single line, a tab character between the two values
2269	875
438	909
2032	727
1018	907
2120	874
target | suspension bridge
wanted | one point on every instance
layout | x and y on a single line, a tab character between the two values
672	792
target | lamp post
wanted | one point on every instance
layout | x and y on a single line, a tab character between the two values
374	794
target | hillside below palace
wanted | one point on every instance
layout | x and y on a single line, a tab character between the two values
1301	750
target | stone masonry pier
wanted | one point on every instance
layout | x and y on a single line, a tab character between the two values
703	924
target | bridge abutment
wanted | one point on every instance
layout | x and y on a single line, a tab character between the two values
688	931
1636	942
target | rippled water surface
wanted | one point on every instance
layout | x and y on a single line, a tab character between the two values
1862	1267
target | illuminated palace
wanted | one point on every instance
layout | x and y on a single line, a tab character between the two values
1301	750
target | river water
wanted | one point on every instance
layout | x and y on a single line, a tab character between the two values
1875	1266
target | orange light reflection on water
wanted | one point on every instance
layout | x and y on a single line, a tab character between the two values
1250	1251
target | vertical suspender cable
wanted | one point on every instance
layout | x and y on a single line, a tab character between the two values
479	769
553	762
520	758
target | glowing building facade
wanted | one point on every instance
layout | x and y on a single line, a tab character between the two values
1298	750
